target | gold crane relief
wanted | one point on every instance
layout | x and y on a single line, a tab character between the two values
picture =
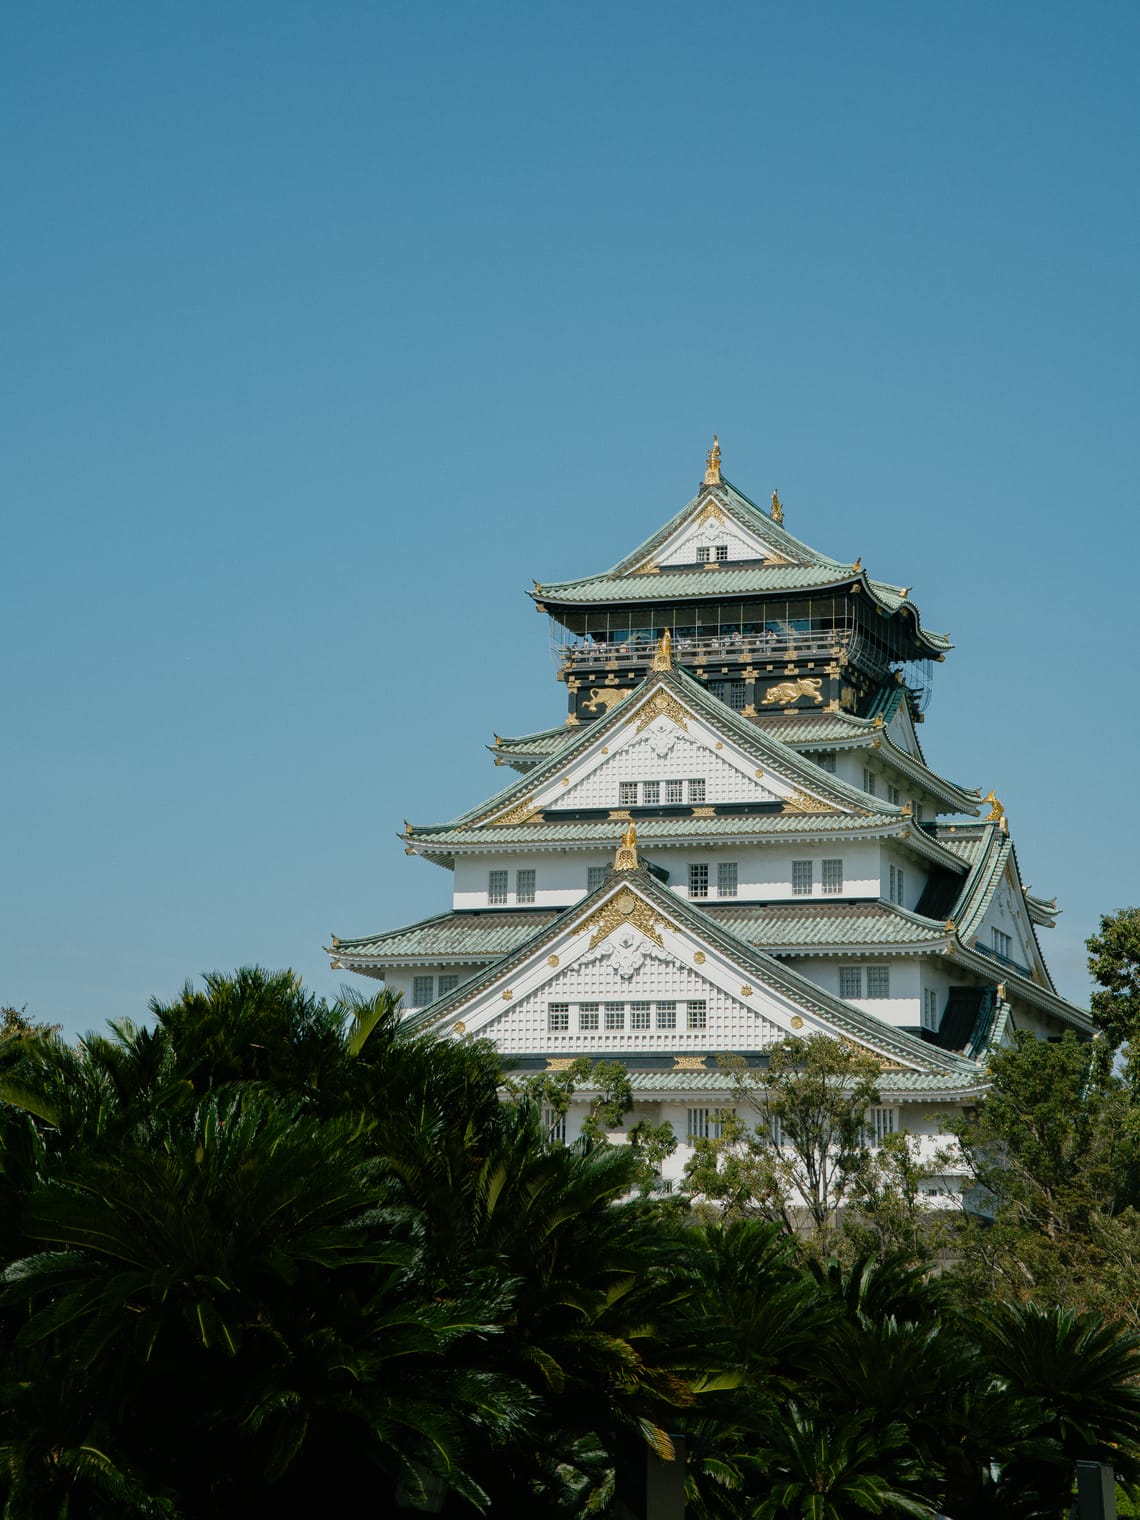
786	692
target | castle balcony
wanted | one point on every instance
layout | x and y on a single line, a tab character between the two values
1004	960
636	652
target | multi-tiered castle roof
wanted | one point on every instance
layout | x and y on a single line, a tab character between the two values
735	836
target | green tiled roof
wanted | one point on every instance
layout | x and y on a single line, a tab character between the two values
604	831
533	747
926	1084
826	926
451	936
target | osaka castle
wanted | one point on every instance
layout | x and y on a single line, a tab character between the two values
734	837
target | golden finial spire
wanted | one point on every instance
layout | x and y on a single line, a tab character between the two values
626	857
663	654
777	508
712	462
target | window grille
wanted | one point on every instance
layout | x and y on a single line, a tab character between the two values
832	878
524	886
496	886
651	793
666	1015
929	1008
696	790
892	795
721	552
801	878
615	1015
558	1017
881	1122
727	876
639	1015
698	1016
706	1123
554	1123
850	981
674	792
826	762
587	1015
878	981
595	875
1003	943
698	881
775	1129
899	886
627	793
422	989
731	693
448	983
703	555
868	782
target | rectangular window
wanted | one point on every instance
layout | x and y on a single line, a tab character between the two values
496	886
881	1122
627	793
595	875
916	809
448	983
878	981
826	762
422	989
1003	943
639	1015
929	1008
726	878
615	1015
892	795
698	881
696	790
674	792
731	693
524	886
554	1124
891	886
850	981
666	1015
697	1015
703	555
651	793
698	1124
900	884
721	552
868	781
832	878
558	1017
801	878
775	1129
587	1015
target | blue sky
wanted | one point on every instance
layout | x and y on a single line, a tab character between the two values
329	328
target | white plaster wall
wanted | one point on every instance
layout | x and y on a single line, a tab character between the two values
400	980
903	1007
690	755
683	548
560	875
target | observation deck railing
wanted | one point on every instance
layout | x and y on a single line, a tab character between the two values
745	647
1004	960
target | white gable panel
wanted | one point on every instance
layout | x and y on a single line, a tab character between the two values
662	745
706	532
626	951
1008	915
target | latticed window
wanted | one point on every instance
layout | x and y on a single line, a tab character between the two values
703	554
868	781
892	795
721	552
696	790
698	881
651	793
731	693
558	1017
627	793
639	1015
496	886
674	792
422	989
878	981
698	1015
587	1015
554	1123
900	885
706	1123
929	1008
448	983
524	886
666	1015
881	1122
726	878
850	981
801	878
826	761
832	877
1003	944
615	1015
595	875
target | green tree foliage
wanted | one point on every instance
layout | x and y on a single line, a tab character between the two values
1114	965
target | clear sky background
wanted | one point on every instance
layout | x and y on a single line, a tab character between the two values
327	328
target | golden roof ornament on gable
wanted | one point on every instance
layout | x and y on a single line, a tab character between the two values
663	654
626	857
712	464
777	509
